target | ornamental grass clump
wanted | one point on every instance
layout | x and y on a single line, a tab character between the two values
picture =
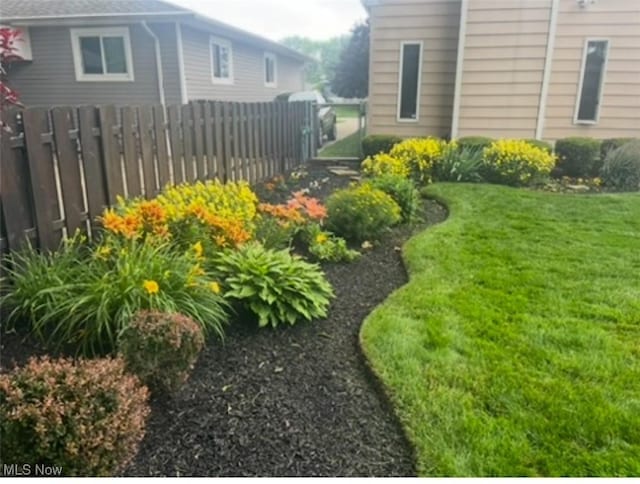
161	348
84	296
274	285
516	162
621	169
219	215
87	417
361	212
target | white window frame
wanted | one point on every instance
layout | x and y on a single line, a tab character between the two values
401	62
581	81
227	45
274	58
81	76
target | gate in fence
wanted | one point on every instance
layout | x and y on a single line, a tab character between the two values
60	167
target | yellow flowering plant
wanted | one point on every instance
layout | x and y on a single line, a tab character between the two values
214	214
419	155
516	162
325	246
385	164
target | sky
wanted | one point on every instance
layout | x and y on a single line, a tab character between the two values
276	19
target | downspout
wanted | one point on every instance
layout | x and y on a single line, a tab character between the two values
462	34
184	98
159	73
548	60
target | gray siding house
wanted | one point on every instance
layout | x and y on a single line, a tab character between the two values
138	52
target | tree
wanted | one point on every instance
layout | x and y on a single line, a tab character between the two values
351	77
326	54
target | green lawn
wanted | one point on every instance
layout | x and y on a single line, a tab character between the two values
349	146
515	348
343	112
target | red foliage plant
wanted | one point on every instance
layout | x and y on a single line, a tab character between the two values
8	54
87	417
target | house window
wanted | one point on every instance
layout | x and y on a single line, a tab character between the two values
270	79
409	81
102	54
591	80
221	61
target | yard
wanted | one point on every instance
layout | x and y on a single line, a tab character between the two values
514	348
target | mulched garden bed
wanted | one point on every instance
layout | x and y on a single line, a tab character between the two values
294	401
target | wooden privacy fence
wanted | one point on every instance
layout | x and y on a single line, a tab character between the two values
60	167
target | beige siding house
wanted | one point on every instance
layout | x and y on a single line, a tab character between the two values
542	69
139	52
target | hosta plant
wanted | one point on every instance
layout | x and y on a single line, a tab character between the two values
83	296
274	285
161	348
87	417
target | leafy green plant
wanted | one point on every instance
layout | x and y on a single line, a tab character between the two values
459	164
621	169
274	285
161	348
607	146
325	246
361	212
577	157
378	143
402	190
474	142
516	162
87	416
274	232
84	297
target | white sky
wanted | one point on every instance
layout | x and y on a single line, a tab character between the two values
275	19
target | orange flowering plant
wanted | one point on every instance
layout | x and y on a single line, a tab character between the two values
277	225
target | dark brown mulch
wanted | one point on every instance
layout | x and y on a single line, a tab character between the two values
294	401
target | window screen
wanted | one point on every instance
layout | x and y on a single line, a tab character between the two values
409	81
592	75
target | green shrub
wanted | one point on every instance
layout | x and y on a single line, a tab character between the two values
474	142
459	164
85	297
621	169
274	285
361	212
611	144
538	143
161	348
516	162
378	143
87	417
577	157
402	190
325	246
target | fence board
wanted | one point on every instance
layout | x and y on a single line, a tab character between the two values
208	138
92	162
63	172
69	167
162	152
15	184
176	144
187	139
198	141
227	108
111	153
130	151
145	127
43	180
219	141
